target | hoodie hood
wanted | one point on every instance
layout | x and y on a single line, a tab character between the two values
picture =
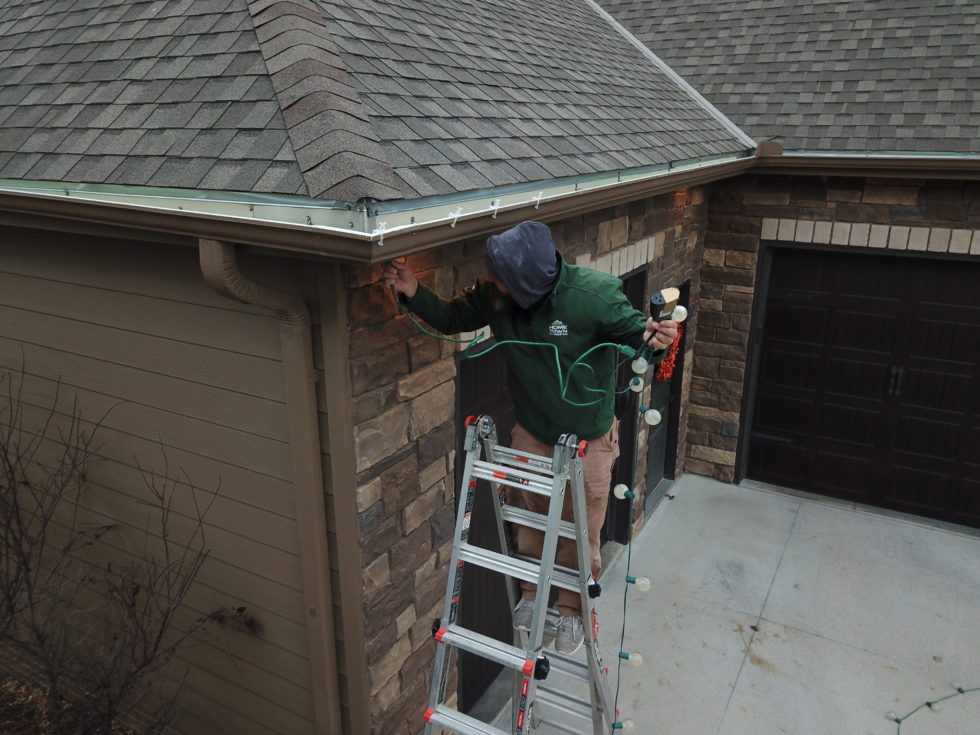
525	260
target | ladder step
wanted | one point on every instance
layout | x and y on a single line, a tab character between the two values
517	568
565	702
513	458
569	666
457	722
512	477
536	520
486	647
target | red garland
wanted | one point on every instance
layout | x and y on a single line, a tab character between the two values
665	368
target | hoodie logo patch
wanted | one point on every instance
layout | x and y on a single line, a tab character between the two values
558	329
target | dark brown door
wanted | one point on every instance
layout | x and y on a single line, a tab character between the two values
867	386
483	605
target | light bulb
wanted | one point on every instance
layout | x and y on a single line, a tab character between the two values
626	725
892	716
622	492
640	365
652	416
680	313
633	659
642	583
636	384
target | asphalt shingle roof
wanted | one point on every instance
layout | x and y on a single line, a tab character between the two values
851	75
336	99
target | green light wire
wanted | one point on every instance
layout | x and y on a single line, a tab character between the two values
959	690
564	380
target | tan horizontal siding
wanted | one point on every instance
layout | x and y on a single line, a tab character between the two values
135	334
221	328
158	271
238	411
200	364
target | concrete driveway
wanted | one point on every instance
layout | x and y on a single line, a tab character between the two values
773	614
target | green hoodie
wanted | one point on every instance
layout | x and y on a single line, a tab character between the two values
584	309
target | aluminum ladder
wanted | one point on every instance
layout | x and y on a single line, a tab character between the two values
543	699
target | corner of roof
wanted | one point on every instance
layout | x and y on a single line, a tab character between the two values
320	105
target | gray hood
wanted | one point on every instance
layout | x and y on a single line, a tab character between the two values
525	260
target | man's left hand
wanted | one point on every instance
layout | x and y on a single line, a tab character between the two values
664	333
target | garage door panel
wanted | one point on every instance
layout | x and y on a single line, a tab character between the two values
871	334
792	369
968	501
849	424
857	379
795	324
970	447
914	490
927	439
834	473
932	389
778	462
956	342
785	415
886	409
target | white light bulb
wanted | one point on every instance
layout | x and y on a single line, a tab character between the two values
636	384
635	660
621	491
652	417
640	365
643	584
628	725
680	313
891	716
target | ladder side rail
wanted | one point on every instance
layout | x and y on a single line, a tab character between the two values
505	542
437	692
602	716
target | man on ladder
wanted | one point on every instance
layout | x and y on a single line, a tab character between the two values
530	295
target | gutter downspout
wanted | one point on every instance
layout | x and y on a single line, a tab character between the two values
220	269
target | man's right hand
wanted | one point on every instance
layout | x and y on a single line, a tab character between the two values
397	274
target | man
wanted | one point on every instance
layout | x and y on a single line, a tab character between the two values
530	294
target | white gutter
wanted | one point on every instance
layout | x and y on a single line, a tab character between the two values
366	222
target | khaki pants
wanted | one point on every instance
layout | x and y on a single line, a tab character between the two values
597	471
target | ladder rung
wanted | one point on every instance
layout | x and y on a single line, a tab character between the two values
554	725
457	722
508	456
481	645
512	477
569	666
516	568
536	520
565	702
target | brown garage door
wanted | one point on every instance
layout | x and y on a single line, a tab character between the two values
868	386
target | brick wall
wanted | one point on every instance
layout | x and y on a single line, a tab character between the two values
941	218
403	394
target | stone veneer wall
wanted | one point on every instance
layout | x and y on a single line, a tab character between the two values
403	386
926	216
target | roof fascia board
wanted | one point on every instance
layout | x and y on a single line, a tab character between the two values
673	75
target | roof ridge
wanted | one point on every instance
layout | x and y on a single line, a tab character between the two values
320	104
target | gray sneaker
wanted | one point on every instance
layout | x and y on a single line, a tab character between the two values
523	611
570	635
